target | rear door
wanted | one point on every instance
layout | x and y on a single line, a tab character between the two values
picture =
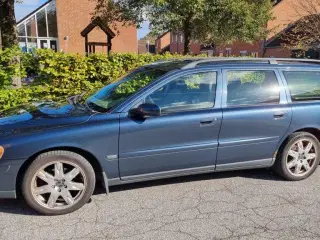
256	115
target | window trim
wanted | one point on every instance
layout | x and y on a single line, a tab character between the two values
139	97
286	85
282	93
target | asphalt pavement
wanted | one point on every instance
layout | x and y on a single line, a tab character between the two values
254	204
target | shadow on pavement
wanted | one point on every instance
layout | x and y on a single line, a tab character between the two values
18	206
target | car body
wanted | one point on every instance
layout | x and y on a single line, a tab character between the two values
230	134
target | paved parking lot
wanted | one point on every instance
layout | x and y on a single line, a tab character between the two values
253	204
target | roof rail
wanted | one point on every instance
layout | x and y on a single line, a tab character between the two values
241	59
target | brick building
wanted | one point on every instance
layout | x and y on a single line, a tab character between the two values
284	16
163	43
65	25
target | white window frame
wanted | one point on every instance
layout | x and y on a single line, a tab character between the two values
34	15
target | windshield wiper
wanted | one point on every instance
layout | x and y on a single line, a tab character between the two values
75	101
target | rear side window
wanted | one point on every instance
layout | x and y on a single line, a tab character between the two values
303	86
252	88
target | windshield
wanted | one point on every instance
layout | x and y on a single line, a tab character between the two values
114	94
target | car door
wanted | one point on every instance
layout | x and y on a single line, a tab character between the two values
185	136
256	115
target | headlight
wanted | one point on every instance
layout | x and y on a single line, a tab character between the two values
1	151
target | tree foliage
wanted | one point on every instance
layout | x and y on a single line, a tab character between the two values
206	21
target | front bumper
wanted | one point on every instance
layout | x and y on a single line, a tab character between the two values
8	176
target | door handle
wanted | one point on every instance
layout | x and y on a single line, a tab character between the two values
280	114
208	122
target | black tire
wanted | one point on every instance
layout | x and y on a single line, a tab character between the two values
68	158
281	161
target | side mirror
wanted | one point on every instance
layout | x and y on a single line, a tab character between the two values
145	110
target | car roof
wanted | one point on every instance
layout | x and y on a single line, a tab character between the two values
189	63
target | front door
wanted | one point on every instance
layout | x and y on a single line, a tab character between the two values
255	118
185	136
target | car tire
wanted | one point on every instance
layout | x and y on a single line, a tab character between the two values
294	161
58	182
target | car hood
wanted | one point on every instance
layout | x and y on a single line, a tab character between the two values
41	116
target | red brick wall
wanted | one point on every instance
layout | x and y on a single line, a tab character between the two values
74	15
163	42
278	52
237	47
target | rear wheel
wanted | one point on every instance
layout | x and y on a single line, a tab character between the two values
299	158
58	182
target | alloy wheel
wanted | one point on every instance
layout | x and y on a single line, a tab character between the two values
58	185
301	157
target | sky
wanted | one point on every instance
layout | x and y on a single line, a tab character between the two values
29	5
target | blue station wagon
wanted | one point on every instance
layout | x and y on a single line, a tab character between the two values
166	119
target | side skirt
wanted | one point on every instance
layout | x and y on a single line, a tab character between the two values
264	163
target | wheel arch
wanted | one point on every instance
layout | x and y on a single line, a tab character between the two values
100	175
312	130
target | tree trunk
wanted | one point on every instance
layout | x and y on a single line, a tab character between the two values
187	38
8	24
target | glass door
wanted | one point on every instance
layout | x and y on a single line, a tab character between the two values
48	43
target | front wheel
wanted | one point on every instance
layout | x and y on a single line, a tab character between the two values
299	158
58	182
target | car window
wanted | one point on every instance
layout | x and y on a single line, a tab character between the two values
189	92
303	86
252	88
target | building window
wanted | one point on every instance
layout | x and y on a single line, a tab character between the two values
42	23
31	27
52	20
39	30
172	37
21	30
243	53
228	52
255	54
181	38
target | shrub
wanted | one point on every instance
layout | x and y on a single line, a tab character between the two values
10	66
59	75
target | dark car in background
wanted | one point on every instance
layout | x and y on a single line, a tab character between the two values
166	119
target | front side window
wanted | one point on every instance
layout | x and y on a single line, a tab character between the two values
189	92
114	94
303	86
252	88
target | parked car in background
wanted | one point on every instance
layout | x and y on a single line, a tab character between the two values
166	119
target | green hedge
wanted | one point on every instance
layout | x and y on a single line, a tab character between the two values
59	75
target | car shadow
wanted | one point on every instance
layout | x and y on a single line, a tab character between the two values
18	206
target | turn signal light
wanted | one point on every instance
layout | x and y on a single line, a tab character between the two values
1	151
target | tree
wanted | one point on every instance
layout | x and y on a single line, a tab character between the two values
206	21
304	34
8	31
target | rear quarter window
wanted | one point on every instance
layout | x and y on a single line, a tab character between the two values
303	85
